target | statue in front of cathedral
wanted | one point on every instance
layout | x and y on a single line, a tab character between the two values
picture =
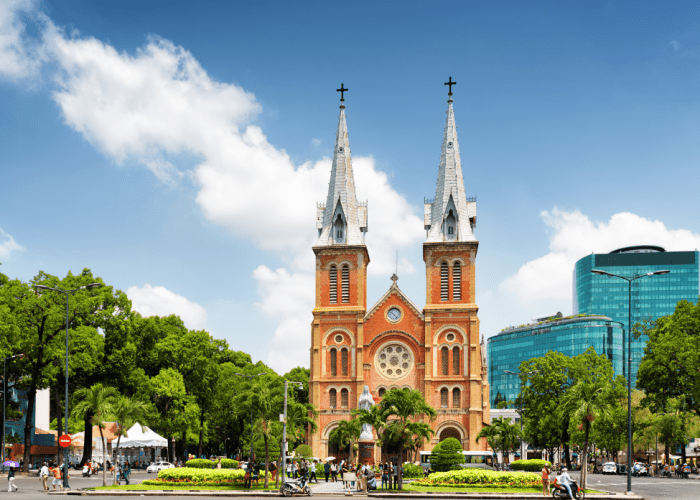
365	403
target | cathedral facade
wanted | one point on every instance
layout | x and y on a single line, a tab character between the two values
393	343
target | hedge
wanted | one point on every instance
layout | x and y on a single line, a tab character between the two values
446	455
203	463
201	477
535	465
411	471
474	475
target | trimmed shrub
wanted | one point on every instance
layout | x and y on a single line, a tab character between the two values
200	463
534	465
446	455
227	463
304	450
475	475
201	477
411	471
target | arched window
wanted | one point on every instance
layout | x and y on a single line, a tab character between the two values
382	391
457	281
444	282
334	362
450	230
344	398
344	361
445	353
346	283
456	397
339	226
444	393
332	395
334	284
455	361
450	222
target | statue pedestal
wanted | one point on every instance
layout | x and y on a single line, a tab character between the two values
366	452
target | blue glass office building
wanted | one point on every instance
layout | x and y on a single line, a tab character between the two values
652	296
569	335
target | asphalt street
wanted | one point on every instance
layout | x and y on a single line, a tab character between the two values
651	488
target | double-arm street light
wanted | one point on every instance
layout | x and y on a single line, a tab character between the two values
522	441
251	377
629	361
283	470
4	400
67	293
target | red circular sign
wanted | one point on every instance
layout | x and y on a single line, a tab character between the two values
64	441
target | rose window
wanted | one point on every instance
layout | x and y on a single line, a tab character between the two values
394	361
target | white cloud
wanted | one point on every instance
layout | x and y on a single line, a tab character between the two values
8	244
158	106
316	142
675	45
20	55
159	301
549	278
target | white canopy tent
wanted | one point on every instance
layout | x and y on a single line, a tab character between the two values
141	437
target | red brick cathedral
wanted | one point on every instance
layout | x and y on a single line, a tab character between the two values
393	343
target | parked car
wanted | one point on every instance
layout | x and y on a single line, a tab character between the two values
609	468
159	466
622	469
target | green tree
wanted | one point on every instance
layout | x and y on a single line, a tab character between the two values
126	411
377	417
404	407
670	367
446	455
98	400
502	435
346	434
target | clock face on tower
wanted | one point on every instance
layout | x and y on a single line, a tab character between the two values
394	314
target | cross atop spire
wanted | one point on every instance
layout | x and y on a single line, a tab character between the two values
394	278
450	83
341	90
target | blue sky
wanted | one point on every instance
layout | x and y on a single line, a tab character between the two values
178	149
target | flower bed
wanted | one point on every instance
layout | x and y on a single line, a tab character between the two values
474	476
200	477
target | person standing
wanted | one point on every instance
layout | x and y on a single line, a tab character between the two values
545	480
385	475
248	474
11	480
127	472
44	473
218	464
334	472
326	470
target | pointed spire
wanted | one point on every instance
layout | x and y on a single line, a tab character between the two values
341	220
450	216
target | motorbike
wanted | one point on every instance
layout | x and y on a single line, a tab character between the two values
641	472
87	471
558	491
298	486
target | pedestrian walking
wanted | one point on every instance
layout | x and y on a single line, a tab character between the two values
334	472
545	480
312	476
44	474
326	470
127	471
57	479
11	480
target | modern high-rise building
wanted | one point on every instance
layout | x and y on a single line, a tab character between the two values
570	335
652	296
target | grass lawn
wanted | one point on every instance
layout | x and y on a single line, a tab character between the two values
480	489
185	487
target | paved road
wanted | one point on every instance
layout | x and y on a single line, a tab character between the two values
651	488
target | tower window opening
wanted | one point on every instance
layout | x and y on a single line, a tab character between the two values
334	284
444	282
444	395
445	360
339	234
332	398
346	283
334	362
344	361
450	224
456	397
344	398
455	361
450	230
457	281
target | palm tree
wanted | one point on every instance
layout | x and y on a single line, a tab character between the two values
501	435
347	432
96	400
585	401
126	412
406	405
377	417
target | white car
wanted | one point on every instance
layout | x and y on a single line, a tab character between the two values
609	468
159	466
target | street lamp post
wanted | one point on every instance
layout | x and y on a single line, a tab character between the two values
522	441
251	377
4	400
284	431
67	293
629	362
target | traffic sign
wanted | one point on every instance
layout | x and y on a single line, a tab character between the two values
64	441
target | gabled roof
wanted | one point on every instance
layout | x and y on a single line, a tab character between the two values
341	195
394	289
449	193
